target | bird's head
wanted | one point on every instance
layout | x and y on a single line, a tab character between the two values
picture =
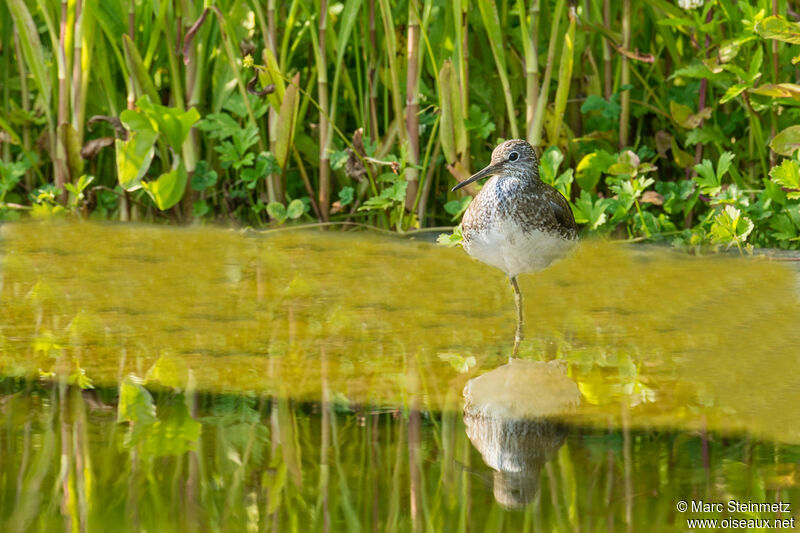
511	157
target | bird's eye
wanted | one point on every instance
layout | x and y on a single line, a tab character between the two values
513	156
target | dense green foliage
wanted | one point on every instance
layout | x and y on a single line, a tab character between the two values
657	121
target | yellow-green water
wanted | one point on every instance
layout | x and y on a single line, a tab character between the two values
315	381
682	342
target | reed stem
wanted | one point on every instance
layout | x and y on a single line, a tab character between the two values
625	76
412	105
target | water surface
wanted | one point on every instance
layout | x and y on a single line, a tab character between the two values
341	360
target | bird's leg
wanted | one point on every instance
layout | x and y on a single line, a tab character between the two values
518	302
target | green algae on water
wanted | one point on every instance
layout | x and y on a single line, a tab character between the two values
675	341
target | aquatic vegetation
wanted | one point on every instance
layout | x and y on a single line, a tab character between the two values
369	111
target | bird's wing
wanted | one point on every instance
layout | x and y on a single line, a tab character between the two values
561	210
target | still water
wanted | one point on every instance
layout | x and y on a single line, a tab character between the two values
209	380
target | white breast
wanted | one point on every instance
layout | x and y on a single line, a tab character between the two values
505	246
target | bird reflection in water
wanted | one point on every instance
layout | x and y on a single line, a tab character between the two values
512	417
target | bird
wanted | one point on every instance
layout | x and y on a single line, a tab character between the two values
517	223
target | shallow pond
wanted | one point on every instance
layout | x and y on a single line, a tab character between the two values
321	380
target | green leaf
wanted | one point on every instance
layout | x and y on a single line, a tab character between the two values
682	159
728	50
733	91
627	164
200	208
168	189
276	211
245	138
479	121
295	209
338	159
135	403
787	175
286	122
79	378
457	207
588	211
491	23
723	164
564	77
238	106
80	186
346	195
175	433
787	141
564	181
450	239
234	152
137	69
134	157
548	166
784	228
756	61
778	90
696	70
218	125
736	70
265	165
779	29
730	227
677	22
591	168
459	363
446	104
707	134
675	194
387	198
684	116
707	179
32	49
203	177
610	109
271	75
135	121
175	124
348	18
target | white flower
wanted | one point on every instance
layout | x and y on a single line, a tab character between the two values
690	4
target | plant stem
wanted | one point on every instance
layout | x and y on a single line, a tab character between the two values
77	69
412	106
608	76
25	97
275	191
625	76
541	105
461	41
531	65
701	104
371	73
773	157
322	90
132	35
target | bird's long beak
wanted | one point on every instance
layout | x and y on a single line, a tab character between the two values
488	171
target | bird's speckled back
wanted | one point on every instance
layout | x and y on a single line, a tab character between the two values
516	193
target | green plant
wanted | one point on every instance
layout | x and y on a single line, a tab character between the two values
281	213
151	124
317	107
